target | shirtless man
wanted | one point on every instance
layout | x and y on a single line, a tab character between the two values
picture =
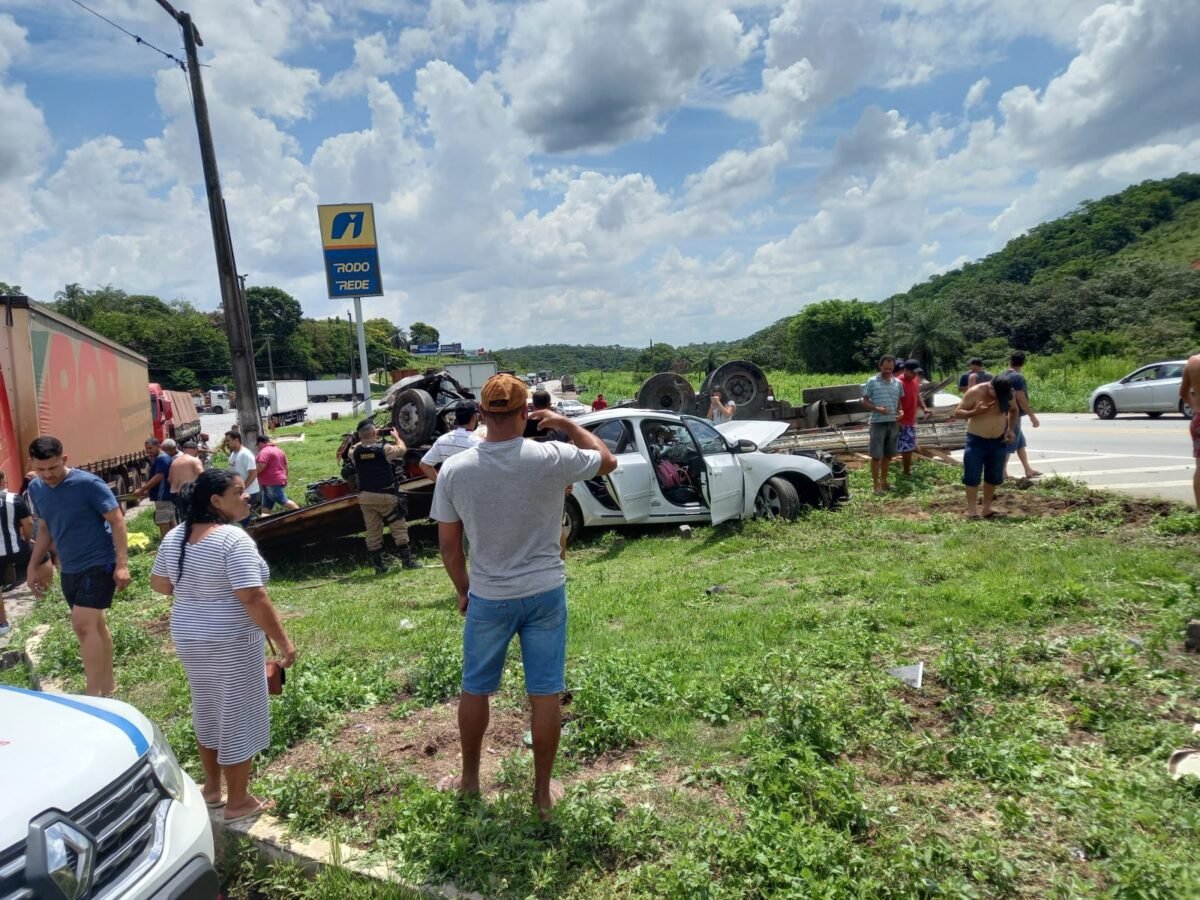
1189	393
991	418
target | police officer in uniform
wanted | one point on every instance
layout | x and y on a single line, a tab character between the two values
381	503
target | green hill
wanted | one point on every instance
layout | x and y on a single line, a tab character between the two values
1114	277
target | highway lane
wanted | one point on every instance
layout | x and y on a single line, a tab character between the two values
1134	455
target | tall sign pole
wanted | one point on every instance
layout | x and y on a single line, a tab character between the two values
352	267
233	301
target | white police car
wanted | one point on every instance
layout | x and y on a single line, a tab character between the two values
94	805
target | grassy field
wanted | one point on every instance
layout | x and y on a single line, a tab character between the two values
1054	387
733	730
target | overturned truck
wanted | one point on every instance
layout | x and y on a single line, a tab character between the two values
828	418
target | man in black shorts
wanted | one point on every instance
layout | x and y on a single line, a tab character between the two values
81	515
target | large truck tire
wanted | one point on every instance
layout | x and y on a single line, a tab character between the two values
414	416
744	383
667	391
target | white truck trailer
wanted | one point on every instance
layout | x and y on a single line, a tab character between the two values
472	375
283	402
326	389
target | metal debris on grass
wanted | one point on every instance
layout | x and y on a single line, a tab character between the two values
912	675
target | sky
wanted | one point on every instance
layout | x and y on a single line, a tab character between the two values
580	171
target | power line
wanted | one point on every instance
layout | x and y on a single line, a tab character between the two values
141	40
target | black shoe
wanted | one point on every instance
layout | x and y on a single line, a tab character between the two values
406	557
377	559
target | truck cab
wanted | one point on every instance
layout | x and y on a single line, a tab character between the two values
96	805
173	414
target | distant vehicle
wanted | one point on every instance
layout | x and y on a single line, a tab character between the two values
283	402
472	375
326	389
96	805
173	414
59	378
217	401
673	468
571	408
1152	389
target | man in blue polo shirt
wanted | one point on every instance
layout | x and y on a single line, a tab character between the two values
158	485
80	513
881	395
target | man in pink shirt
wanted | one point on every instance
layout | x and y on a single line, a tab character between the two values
272	475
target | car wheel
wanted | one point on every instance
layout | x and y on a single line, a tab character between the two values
1104	407
218	410
777	499
574	520
414	416
1186	410
1154	415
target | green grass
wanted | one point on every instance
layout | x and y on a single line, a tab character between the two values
748	742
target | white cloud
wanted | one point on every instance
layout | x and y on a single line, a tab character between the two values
594	73
976	93
1137	76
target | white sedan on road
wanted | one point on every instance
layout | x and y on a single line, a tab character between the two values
1152	389
677	469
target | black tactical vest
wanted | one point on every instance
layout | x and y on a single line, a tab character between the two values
375	473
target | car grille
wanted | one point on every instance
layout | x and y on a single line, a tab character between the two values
126	822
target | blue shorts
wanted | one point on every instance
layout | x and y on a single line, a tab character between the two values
907	441
1018	441
985	460
272	495
541	623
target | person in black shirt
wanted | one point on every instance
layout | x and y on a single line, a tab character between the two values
975	374
16	533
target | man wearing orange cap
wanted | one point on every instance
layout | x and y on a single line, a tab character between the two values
506	495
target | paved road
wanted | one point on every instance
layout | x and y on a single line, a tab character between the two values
215	426
1130	454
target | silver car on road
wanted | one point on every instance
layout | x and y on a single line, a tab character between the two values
1152	389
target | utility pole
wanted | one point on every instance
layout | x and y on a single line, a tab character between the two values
270	361
233	298
353	383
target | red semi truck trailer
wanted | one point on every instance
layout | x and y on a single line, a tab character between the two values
174	414
59	378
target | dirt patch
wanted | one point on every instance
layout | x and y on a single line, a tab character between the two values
160	627
424	742
1017	501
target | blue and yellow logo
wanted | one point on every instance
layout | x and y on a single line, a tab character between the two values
347	225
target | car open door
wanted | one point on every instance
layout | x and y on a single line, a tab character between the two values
630	484
723	482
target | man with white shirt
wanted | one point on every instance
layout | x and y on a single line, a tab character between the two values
463	437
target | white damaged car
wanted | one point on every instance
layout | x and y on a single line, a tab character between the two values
95	806
677	469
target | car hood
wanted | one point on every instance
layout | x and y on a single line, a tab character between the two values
762	433
57	751
1111	386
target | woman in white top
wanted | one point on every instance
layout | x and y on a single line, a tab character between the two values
221	612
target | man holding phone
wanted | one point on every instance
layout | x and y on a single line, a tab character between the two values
378	494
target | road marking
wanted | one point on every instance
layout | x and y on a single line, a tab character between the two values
1133	456
1139	484
1089	473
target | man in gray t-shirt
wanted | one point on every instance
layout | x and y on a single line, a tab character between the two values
506	495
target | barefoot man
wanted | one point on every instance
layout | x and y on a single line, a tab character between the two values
1189	393
81	515
506	493
991	418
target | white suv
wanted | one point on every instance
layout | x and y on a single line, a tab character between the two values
95	805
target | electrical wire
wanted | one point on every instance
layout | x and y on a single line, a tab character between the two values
141	40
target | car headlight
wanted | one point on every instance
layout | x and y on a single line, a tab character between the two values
165	765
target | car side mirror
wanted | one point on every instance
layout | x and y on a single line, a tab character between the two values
745	446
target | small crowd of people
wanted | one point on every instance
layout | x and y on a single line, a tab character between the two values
498	494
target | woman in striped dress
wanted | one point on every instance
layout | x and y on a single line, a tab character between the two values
221	612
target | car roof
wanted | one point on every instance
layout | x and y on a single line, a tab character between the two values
631	412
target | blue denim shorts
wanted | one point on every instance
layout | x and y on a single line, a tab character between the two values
541	623
1018	441
273	495
984	460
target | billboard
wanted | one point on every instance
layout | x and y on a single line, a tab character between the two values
351	254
